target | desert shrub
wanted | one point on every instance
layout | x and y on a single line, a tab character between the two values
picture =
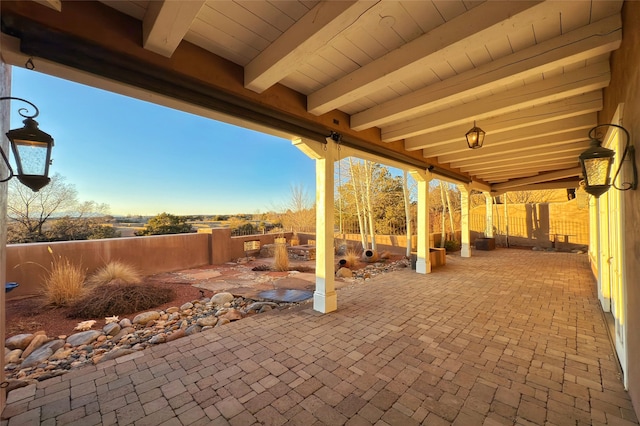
115	271
352	257
120	299
102	232
280	258
261	268
449	245
64	281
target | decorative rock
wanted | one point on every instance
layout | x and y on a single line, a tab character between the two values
222	321
172	310
344	273
38	340
111	329
233	315
125	322
13	357
85	325
221	298
257	306
146	317
20	341
208	321
60	354
113	319
83	338
265	308
116	353
186	306
192	330
176	335
41	354
122	333
158	338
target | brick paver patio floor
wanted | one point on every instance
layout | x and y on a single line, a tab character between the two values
505	337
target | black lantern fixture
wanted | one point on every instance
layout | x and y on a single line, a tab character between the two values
475	137
31	148
596	164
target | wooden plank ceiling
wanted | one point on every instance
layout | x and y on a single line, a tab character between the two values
419	73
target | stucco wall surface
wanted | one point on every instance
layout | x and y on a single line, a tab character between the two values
625	89
27	264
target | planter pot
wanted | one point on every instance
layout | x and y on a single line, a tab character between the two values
437	257
369	256
485	243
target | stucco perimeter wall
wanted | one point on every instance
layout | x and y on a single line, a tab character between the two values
396	244
225	248
537	224
28	263
625	89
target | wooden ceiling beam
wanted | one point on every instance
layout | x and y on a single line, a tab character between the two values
534	135
534	116
593	77
166	23
481	24
579	45
564	151
545	177
302	41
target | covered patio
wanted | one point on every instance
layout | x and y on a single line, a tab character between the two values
503	337
399	83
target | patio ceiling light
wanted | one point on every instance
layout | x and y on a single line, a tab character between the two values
596	164
32	150
475	137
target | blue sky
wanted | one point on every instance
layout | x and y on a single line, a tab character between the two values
142	158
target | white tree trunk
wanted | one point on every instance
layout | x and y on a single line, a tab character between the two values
453	231
368	177
407	211
356	197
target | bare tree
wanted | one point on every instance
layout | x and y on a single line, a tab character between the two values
29	211
298	210
537	196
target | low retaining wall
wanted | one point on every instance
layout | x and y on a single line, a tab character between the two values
27	264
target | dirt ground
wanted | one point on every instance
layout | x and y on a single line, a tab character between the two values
30	315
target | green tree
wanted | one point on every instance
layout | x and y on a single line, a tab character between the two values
101	232
166	223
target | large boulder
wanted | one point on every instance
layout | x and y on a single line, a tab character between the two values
42	353
37	341
146	317
19	341
221	298
83	338
13	357
111	329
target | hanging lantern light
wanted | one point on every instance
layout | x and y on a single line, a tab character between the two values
475	137
596	164
31	148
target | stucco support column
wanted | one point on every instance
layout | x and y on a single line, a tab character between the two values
5	90
465	234
488	231
423	262
325	298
